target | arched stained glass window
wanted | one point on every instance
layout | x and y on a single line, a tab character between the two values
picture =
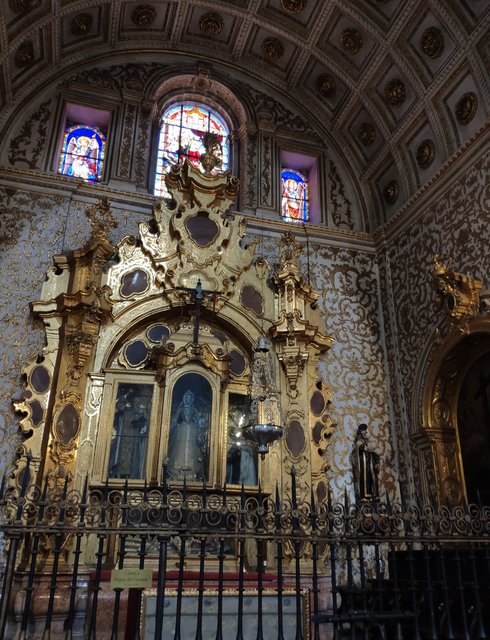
295	204
83	152
181	137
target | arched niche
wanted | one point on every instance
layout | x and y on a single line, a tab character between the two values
444	441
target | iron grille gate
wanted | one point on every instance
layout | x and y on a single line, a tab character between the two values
239	566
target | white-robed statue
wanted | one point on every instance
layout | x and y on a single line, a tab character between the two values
188	439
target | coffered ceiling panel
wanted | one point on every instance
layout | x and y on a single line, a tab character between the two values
149	20
378	81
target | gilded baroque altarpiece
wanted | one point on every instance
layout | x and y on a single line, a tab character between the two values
105	301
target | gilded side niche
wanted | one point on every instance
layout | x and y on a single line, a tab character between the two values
467	337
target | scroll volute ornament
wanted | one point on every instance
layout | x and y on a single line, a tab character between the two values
457	294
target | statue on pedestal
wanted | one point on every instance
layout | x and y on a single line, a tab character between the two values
365	467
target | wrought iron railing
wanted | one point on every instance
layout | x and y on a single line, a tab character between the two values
232	566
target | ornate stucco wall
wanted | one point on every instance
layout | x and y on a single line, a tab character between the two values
379	307
33	228
455	225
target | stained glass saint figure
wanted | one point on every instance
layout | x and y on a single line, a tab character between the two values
83	152
295	198
182	137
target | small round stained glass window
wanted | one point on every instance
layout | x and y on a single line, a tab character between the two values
184	127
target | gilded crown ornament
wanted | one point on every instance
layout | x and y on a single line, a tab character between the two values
466	107
81	24
351	41
425	153
432	42
326	85
394	92
143	15
211	23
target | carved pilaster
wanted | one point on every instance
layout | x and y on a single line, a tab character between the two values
78	306
298	341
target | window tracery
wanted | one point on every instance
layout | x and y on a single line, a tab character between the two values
183	128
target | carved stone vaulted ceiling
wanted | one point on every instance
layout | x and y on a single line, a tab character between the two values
394	87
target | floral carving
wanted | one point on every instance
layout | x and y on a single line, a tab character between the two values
127	141
211	23
81	24
141	163
367	134
391	192
425	153
293	6
341	205
351	41
24	56
283	119
326	85
432	42
466	108
272	48
20	149
143	15
266	171
394	92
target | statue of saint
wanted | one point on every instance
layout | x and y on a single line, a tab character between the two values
130	432
365	467
188	439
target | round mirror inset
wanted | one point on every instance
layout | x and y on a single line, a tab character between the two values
37	412
40	379
136	353
238	363
201	229
316	432
157	333
317	403
134	282
67	424
295	438
252	299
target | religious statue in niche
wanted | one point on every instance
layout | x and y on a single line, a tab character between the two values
129	443
190	419
241	458
365	467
